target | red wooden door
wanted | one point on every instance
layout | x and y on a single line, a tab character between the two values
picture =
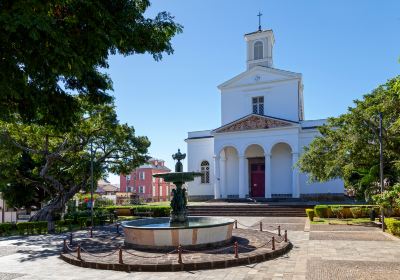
257	179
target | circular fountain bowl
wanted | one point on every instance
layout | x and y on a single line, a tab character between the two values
157	233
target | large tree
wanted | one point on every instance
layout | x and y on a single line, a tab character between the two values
348	147
62	159
55	49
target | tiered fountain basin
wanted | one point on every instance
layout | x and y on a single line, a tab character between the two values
158	233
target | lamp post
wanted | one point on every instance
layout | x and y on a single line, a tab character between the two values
381	166
91	185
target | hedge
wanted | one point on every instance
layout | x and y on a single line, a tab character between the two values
393	225
344	211
32	227
129	210
6	228
310	214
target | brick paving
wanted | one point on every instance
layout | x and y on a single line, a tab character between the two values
327	227
309	259
352	270
349	235
254	246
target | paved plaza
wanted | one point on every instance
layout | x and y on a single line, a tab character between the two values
319	252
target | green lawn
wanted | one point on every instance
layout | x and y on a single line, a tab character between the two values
334	221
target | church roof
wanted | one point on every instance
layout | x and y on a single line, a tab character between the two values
284	75
254	122
258	31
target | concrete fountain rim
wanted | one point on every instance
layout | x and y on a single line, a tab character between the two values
213	222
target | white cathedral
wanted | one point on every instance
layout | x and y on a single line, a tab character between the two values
262	133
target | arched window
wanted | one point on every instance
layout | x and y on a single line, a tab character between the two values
205	169
258	50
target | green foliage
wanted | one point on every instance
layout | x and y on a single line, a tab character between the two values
53	50
393	225
348	147
310	214
321	211
357	212
64	158
337	211
389	199
343	211
6	228
20	184
32	227
157	210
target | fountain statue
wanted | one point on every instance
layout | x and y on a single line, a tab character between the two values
179	200
179	229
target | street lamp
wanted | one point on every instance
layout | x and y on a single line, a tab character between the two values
91	187
381	166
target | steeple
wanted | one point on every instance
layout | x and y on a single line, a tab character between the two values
259	46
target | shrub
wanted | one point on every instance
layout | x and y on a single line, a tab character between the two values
356	212
129	210
6	228
22	228
338	211
321	211
393	225
310	214
82	222
40	227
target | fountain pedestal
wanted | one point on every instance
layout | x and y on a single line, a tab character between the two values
161	233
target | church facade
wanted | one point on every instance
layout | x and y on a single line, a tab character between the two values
262	134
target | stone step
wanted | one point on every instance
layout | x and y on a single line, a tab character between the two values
248	210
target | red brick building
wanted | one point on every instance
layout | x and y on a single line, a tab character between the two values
141	182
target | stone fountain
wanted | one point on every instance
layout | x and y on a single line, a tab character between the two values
179	229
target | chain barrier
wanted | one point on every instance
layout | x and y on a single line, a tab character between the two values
149	257
275	239
260	223
98	255
254	248
207	251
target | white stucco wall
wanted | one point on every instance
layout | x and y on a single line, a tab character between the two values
281	169
197	151
280	101
232	175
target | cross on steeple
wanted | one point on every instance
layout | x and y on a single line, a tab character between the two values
259	20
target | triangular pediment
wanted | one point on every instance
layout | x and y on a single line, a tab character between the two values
253	122
259	75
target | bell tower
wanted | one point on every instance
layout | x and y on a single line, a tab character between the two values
259	47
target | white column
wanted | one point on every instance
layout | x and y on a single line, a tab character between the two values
246	177
223	177
217	190
295	176
242	185
268	173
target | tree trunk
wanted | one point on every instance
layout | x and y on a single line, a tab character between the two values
56	205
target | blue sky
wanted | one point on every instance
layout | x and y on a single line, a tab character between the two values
344	49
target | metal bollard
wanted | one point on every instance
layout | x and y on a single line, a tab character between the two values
260	226
117	228
279	230
179	254
120	255
79	252
91	232
236	247
273	243
235	224
70	239
65	245
285	235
